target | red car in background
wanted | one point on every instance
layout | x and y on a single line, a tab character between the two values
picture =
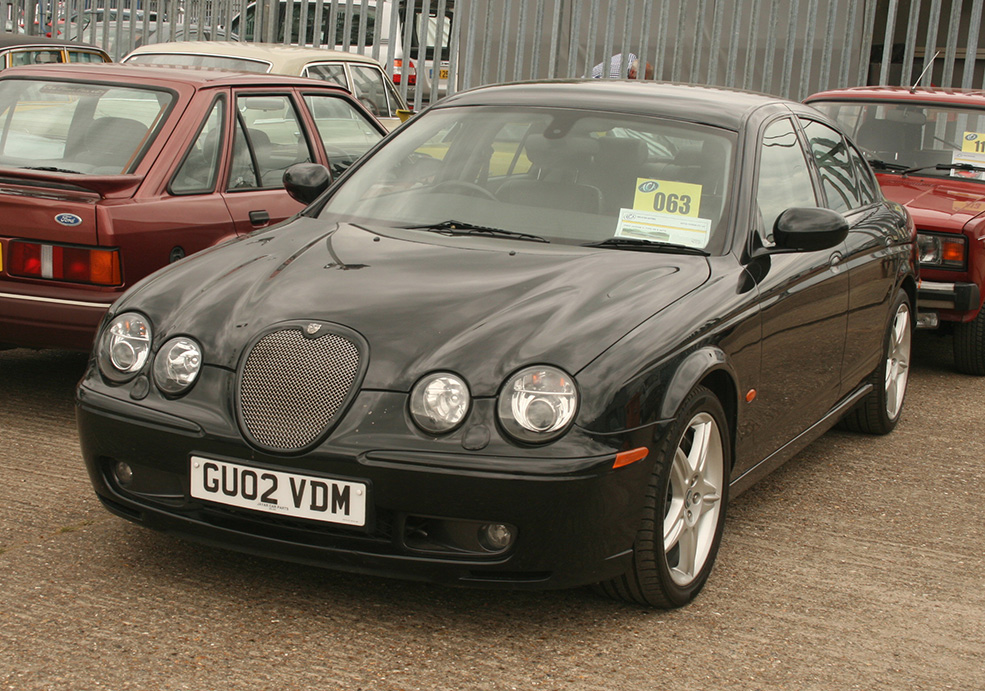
927	148
109	172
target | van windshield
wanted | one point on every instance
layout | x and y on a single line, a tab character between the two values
431	27
346	33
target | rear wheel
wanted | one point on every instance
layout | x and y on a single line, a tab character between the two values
678	538
880	410
969	345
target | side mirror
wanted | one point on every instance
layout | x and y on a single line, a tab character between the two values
807	229
306	181
405	115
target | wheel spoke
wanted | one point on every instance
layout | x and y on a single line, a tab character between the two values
698	456
687	548
673	527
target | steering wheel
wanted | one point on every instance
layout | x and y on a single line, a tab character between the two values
469	189
370	106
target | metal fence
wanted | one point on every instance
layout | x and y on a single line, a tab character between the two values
786	47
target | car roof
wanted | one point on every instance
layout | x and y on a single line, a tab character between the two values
163	75
716	106
955	97
9	40
289	59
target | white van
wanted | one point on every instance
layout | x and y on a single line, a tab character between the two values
377	26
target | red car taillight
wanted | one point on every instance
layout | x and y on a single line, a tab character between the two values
64	263
398	72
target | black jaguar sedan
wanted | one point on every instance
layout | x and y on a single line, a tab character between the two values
536	339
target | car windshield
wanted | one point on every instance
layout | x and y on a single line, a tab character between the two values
221	62
77	127
569	176
897	137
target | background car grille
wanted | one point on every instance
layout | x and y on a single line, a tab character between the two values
292	387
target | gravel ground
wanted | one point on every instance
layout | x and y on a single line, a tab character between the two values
857	565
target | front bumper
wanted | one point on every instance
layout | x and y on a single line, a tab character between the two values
575	517
950	297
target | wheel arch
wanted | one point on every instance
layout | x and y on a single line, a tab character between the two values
708	367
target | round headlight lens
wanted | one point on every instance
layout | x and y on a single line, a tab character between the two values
439	402
177	364
538	404
125	346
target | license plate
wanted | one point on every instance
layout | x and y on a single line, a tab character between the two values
273	491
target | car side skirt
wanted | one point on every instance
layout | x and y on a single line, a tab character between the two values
784	453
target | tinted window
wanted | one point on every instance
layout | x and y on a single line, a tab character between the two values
831	156
784	176
868	188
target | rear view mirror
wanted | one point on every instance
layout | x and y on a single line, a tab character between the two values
305	181
807	229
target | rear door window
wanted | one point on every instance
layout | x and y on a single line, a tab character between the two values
200	167
837	172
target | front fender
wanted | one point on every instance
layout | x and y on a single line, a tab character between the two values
697	367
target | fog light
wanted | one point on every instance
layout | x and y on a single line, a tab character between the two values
123	473
928	320
495	537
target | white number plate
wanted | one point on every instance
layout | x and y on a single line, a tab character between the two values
273	491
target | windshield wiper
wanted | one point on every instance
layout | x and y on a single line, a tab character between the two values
52	169
641	244
453	227
945	166
886	165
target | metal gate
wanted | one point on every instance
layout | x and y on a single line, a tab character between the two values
786	47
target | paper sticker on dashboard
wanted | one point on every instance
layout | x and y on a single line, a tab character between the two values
662	227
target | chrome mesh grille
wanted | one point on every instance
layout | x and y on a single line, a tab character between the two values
292	386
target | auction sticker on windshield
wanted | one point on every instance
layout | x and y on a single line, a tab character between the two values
972	153
665	211
285	494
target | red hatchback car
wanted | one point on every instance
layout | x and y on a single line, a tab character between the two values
109	172
927	147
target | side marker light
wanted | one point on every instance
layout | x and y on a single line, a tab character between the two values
628	457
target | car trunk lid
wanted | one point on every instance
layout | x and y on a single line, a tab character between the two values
58	207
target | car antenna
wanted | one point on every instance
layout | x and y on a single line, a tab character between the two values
913	89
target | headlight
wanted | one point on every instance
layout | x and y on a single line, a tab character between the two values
439	402
538	404
125	346
177	364
945	251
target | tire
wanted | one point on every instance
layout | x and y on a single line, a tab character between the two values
969	345
678	538
880	410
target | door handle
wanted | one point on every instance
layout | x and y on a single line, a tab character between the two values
259	218
835	263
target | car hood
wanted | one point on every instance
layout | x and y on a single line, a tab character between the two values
481	307
943	204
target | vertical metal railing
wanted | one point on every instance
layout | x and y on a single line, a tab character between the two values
785	47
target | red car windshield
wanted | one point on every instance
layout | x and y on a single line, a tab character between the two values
937	139
77	127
